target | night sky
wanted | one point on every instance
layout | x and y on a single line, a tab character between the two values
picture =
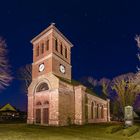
102	32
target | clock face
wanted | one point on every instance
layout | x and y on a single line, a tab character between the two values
62	69
41	67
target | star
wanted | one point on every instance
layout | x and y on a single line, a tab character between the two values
85	14
9	12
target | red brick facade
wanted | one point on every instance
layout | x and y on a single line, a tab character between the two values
45	51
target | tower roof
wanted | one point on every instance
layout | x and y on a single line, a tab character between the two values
52	26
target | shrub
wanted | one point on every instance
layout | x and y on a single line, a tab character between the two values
113	129
69	121
130	131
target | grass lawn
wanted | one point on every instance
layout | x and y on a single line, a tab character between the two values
86	132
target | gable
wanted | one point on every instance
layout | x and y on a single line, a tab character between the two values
7	107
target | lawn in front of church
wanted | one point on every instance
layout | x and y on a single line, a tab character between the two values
86	132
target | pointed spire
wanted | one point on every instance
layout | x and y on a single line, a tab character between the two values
52	24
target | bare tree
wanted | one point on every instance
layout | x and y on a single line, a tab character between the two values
5	76
92	81
105	83
25	75
137	77
137	38
126	89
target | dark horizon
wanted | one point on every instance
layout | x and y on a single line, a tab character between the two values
102	33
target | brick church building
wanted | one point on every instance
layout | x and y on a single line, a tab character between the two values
53	98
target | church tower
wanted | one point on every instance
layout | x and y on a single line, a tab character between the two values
51	54
51	62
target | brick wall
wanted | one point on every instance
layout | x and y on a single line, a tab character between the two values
66	104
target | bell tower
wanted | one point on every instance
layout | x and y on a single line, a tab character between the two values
51	63
51	54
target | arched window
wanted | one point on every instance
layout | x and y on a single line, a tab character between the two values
102	112
56	45
46	102
42	87
61	49
97	110
66	56
47	45
38	103
37	51
42	48
92	106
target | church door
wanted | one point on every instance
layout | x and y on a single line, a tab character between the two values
38	115
45	115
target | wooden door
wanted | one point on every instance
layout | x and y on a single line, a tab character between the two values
38	115
45	115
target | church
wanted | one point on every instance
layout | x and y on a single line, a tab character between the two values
53	97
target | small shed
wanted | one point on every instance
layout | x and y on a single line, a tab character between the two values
8	112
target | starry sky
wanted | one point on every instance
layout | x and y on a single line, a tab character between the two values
102	32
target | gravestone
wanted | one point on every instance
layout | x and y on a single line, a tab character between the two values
128	114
